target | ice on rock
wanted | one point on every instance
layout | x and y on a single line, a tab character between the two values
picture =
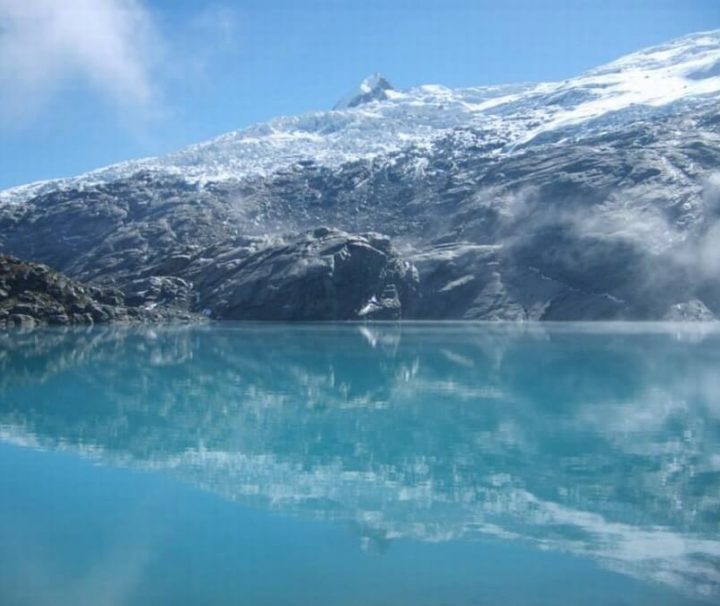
372	88
376	120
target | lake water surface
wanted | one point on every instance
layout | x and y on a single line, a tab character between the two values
360	465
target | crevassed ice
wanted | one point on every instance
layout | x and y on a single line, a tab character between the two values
686	69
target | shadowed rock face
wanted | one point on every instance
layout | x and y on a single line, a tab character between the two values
322	275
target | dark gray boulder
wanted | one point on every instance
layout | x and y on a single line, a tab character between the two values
325	274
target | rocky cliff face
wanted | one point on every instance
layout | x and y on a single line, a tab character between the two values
320	275
593	198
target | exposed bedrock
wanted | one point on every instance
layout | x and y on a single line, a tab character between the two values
320	275
32	295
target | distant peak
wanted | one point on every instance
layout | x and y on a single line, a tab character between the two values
375	81
372	88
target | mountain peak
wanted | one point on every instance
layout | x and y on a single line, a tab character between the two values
372	88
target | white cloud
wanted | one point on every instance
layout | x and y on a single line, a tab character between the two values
110	45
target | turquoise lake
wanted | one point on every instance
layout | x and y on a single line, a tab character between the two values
361	465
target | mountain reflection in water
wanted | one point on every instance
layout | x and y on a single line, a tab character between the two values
597	440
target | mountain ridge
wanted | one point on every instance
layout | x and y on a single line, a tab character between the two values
492	98
591	198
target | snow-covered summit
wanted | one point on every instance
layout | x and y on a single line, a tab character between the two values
377	120
373	88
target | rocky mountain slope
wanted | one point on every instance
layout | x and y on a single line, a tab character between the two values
593	198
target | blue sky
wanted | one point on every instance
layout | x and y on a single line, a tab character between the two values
109	80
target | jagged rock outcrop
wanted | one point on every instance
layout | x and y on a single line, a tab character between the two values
32	295
320	275
372	88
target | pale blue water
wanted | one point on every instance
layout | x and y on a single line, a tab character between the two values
419	465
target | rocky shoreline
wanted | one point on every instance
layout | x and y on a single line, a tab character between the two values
33	294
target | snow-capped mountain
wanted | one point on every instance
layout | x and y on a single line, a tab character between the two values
592	197
376	119
372	88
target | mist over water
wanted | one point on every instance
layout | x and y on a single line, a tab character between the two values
361	464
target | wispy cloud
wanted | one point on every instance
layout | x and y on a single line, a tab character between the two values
109	45
219	24
210	36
